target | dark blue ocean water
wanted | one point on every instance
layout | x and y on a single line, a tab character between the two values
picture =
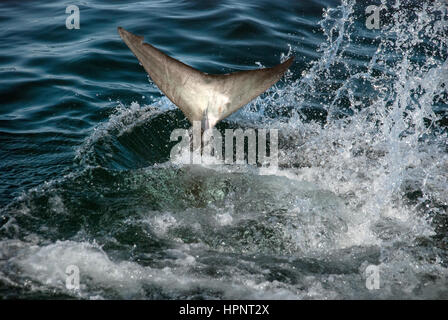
85	171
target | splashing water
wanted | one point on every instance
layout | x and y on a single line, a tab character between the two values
362	181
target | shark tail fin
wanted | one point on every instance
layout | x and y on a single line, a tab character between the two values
199	94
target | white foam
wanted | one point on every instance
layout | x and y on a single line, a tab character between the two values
98	273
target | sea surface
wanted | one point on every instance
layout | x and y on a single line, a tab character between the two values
357	208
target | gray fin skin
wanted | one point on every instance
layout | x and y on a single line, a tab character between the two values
199	95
